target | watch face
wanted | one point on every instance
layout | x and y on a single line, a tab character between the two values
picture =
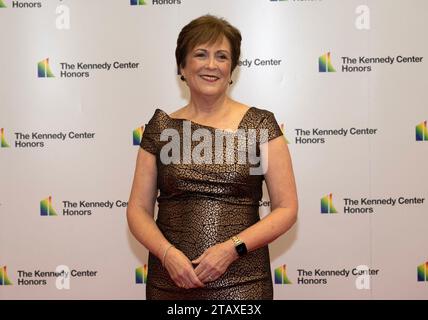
241	249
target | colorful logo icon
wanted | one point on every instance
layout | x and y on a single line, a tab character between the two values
281	275
137	135
141	274
283	132
423	272
324	63
327	204
422	132
138	3
3	142
4	279
46	208
44	70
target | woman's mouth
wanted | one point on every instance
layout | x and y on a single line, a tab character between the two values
209	78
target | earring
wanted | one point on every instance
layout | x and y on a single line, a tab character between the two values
183	78
231	81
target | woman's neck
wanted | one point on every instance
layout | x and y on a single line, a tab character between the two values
208	107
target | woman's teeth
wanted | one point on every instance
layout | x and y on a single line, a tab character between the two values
209	78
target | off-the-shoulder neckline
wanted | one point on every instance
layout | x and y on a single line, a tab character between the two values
211	127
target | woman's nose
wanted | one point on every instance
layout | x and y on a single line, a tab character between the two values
211	63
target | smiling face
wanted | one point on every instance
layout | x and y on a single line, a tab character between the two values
208	68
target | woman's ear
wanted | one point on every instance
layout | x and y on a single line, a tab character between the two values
182	74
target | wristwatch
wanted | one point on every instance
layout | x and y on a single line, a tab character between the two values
240	246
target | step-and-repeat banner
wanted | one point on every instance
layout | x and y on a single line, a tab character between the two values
347	81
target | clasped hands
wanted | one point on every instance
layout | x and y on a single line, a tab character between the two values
209	266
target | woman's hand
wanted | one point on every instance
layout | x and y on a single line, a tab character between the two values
215	261
180	269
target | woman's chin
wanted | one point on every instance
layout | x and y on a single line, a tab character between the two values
210	91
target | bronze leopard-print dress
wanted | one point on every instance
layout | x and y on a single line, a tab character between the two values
202	204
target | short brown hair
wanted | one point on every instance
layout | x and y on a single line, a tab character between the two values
207	29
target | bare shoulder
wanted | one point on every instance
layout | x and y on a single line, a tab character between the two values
239	108
179	113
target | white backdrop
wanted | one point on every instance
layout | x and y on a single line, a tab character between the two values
68	122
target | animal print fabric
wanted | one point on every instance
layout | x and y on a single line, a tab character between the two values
202	204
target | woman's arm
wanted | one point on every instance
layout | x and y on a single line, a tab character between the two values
140	213
140	210
281	186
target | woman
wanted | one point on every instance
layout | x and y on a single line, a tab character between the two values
208	241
